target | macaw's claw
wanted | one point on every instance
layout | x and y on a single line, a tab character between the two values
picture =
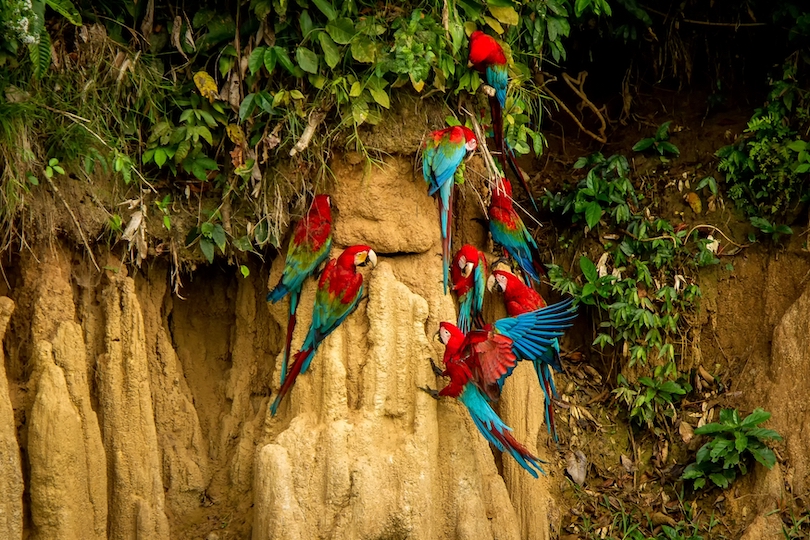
430	391
439	372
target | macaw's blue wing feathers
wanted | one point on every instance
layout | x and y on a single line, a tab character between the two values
495	431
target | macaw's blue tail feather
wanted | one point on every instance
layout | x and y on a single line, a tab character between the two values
299	365
446	212
465	307
495	431
278	292
290	328
549	391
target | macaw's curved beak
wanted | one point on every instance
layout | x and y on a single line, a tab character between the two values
370	257
467	270
470	64
436	336
491	283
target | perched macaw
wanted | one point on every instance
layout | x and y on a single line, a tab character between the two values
477	364
468	274
309	247
339	290
508	230
488	58
520	299
443	155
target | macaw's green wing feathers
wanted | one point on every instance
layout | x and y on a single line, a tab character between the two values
495	431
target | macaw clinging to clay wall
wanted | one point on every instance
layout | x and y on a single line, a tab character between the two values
520	299
508	230
309	247
468	274
339	290
443	156
488	58
477	364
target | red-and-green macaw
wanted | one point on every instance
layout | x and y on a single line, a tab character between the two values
477	364
339	290
488	58
468	274
443	155
309	247
509	231
520	299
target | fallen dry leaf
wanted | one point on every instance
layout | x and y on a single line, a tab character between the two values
577	467
694	202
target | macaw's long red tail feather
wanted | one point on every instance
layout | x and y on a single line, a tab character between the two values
510	157
301	358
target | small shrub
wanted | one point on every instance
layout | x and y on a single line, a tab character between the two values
732	443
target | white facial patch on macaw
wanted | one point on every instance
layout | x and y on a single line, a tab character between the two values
501	282
444	335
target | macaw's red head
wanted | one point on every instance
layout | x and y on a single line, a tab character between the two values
359	255
503	281
450	335
485	51
322	207
464	263
502	193
469	136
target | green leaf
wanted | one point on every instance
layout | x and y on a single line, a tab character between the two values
207	247
256	59
380	96
341	30
588	289
284	59
672	387
67	10
505	15
593	213
269	59
740	441
662	133
307	59
763	433
218	235
580	6
755	418
643	144
330	51
714	427
797	146
326	8
40	54
246	107
242	243
244	270
763	455
669	147
160	157
363	50
306	23
588	269
720	479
